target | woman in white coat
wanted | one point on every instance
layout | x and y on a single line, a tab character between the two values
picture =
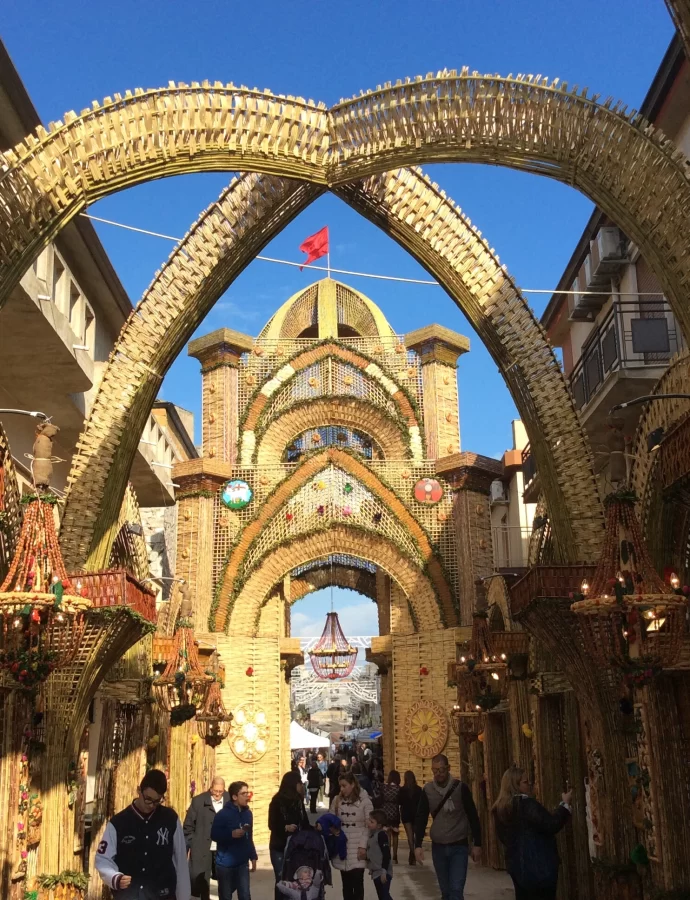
353	806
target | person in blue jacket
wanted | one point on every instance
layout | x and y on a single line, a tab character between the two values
232	832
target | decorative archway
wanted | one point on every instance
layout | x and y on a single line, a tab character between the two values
344	412
251	210
627	168
236	574
417	586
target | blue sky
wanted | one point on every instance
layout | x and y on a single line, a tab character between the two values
75	52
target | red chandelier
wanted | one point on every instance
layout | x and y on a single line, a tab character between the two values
41	613
333	657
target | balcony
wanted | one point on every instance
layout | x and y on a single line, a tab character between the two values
623	358
510	545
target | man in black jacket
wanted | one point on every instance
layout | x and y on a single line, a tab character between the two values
454	816
142	855
197	833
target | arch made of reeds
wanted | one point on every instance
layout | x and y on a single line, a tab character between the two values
222	242
413	581
621	162
226	611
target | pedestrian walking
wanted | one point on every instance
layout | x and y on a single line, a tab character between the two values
286	815
352	806
197	833
232	831
333	774
379	854
408	798
390	800
454	815
143	855
528	831
323	768
314	782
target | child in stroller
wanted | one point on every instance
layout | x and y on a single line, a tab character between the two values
306	867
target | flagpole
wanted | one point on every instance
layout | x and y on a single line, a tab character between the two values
328	261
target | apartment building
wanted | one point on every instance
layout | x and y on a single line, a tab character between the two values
512	513
57	331
614	326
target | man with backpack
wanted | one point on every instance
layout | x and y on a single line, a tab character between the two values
454	815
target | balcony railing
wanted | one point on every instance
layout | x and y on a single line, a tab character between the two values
117	587
632	335
510	545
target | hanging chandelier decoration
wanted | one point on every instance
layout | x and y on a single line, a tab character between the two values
333	657
41	612
182	687
481	674
213	721
629	617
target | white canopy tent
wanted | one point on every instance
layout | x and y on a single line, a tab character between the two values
301	739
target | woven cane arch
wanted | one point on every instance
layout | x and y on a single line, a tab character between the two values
251	548
623	164
382	428
372	548
245	216
325	574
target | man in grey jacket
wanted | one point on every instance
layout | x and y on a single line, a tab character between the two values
450	803
197	833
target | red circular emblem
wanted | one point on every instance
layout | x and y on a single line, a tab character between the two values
428	490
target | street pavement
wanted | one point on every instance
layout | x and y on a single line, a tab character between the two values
409	882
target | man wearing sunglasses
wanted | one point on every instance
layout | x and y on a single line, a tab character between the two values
143	855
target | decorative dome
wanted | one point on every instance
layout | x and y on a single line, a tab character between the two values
327	308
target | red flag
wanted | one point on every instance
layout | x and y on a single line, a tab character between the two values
315	246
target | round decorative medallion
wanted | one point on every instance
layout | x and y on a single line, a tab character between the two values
426	728
427	491
249	732
236	494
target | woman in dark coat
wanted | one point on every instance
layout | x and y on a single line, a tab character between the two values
197	833
529	831
408	798
286	815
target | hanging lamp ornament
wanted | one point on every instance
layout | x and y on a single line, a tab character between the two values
629	616
481	674
333	657
182	687
41	611
213	721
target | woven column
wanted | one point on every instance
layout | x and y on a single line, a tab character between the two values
439	349
470	476
219	354
198	480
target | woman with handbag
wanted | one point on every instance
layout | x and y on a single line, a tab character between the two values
528	831
353	807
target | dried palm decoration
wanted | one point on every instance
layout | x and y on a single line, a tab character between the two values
629	616
41	612
213	721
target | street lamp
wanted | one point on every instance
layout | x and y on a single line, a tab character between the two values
654	438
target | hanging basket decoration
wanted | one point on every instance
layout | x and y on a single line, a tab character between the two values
182	687
41	612
511	647
481	675
333	657
213	721
629	617
467	725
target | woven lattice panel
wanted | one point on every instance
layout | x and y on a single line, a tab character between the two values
351	311
303	314
401	476
10	505
329	377
130	550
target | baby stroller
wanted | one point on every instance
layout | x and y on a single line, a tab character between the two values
306	867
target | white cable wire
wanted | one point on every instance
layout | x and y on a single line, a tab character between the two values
287	262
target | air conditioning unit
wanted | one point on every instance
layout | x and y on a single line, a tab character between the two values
581	306
608	257
498	492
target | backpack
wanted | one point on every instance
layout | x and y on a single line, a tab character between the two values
306	848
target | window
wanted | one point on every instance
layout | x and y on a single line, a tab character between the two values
89	334
59	278
75	307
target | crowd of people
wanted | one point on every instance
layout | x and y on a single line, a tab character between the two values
147	852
